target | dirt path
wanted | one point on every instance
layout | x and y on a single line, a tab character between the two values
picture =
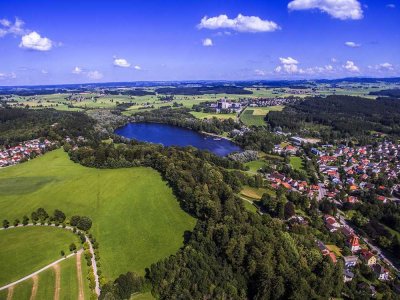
57	286
10	293
80	278
34	287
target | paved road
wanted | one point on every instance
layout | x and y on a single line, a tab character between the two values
94	264
381	255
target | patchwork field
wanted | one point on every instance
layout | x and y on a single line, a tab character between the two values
202	115
59	282
136	218
24	250
254	116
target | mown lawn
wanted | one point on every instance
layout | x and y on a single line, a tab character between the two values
24	250
69	280
296	163
136	218
23	290
202	115
254	116
255	165
46	284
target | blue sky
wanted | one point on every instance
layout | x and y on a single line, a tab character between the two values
70	41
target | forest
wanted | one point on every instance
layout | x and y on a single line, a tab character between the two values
231	253
344	116
23	124
203	90
389	93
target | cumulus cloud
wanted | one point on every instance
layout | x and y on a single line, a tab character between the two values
207	42
384	67
5	76
351	67
352	44
288	61
391	5
339	9
121	62
290	66
77	70
35	41
94	75
15	28
137	68
260	72
241	23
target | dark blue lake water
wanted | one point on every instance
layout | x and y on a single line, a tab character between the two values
169	135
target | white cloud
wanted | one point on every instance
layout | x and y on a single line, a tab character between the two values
5	76
94	75
351	66
352	44
34	41
121	62
382	67
288	61
391	5
137	68
386	66
207	42
240	23
260	72
339	9
44	72
289	66
16	28
77	70
5	22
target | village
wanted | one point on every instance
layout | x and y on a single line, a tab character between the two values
347	172
24	151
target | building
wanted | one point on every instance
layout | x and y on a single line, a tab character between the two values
354	243
368	257
350	261
381	272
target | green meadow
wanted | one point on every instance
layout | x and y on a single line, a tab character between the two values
24	250
254	116
136	218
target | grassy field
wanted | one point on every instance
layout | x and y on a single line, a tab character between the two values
23	290
296	163
136	218
24	250
46	284
254	116
335	249
202	115
69	280
253	193
255	165
249	206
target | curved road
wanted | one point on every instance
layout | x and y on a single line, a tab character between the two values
94	265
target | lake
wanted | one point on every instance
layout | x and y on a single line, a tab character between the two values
169	135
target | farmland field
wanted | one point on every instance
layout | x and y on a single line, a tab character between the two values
136	218
254	116
24	250
202	115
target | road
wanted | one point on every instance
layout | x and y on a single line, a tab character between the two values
381	255
94	264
